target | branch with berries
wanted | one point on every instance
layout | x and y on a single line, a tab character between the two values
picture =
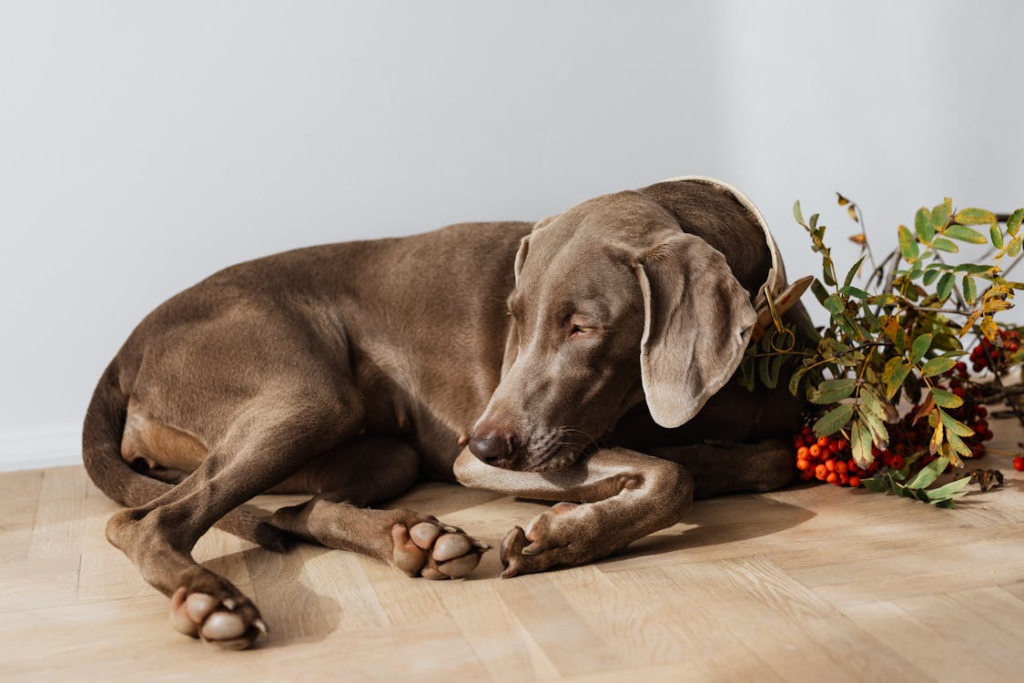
893	405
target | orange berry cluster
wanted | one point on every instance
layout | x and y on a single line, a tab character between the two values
826	459
1000	356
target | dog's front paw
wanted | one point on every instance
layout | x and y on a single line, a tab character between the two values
223	617
551	539
435	551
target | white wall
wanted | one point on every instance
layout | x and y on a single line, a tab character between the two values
145	145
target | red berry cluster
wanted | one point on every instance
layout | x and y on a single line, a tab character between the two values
1000	356
827	459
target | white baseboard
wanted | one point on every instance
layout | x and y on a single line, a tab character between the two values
50	448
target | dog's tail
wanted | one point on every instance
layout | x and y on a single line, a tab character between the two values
101	453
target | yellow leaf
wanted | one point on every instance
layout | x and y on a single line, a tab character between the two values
949	454
994	305
936	440
970	323
853	212
891	327
998	290
859	238
989	329
843	201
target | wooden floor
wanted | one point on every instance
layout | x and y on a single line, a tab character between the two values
807	584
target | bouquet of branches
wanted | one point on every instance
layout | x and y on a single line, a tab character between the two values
895	404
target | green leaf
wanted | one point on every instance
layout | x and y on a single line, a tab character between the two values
876	484
879	434
1013	223
940	214
794	381
834	420
834	304
965	234
1014	249
937	366
923	225
908	245
972	268
832	390
852	273
768	370
797	213
883	409
920	347
928	474
931	276
850	290
955	426
860	441
894	379
974	217
957	443
945	286
820	293
996	233
970	289
827	271
942	244
949	489
946	399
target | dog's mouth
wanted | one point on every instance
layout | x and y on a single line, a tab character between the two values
555	455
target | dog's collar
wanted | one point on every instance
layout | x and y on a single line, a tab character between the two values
774	293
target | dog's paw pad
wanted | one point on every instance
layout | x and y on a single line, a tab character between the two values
435	551
225	622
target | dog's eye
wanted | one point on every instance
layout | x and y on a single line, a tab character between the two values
579	330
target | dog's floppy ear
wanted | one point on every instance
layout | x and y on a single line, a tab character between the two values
697	322
524	244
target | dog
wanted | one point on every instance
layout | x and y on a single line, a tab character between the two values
585	359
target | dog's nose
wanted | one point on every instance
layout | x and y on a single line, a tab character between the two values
491	444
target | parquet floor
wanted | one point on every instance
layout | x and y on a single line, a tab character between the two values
807	584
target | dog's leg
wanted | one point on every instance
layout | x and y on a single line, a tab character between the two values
616	496
366	471
272	438
415	543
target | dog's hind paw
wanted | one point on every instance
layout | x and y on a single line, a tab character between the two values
435	551
230	623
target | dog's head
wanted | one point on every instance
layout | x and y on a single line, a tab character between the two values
618	300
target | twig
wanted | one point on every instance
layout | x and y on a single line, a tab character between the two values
940	310
864	231
1013	265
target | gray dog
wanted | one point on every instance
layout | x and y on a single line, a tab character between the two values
586	359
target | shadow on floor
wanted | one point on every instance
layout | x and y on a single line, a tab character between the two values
720	521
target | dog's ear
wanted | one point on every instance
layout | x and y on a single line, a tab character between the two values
524	244
524	247
697	323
